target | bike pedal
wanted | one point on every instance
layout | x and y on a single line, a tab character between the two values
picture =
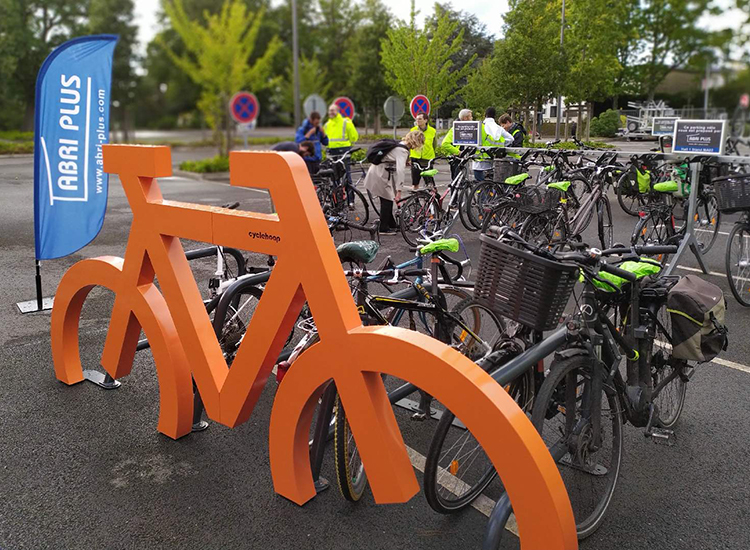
662	436
419	416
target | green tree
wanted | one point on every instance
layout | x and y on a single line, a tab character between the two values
313	79
484	86
218	57
418	61
670	36
29	30
116	17
366	84
336	23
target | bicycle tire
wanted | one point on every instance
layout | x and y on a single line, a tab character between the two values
540	229
707	215
605	227
628	197
350	472
653	230
445	492
666	373
360	214
372	203
463	210
550	404
504	214
419	212
738	265
236	320
481	199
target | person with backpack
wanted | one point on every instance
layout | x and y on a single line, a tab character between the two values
493	135
420	158
387	173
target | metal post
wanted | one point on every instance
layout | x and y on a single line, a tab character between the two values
705	93
320	436
39	303
559	97
295	61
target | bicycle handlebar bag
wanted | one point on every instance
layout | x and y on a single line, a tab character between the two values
697	310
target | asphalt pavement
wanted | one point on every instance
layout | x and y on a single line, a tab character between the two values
83	468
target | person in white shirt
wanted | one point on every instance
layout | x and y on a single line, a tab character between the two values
494	135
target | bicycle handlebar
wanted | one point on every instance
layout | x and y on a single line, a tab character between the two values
336	222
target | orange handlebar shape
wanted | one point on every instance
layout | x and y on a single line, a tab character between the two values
184	344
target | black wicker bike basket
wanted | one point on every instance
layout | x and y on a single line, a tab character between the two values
504	168
733	192
523	286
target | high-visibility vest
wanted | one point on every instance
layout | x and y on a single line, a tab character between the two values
447	143
487	141
341	132
427	151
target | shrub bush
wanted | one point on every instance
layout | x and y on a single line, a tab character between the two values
205	166
606	124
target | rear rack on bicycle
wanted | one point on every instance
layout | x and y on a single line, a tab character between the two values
522	286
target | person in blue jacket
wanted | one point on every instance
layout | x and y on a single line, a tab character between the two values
312	130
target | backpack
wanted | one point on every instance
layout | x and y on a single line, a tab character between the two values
380	149
697	309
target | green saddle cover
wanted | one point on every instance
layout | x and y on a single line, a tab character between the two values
644	180
451	245
559	185
429	173
613	282
517	179
669	186
358	251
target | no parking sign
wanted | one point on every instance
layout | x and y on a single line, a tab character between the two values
244	107
419	104
346	106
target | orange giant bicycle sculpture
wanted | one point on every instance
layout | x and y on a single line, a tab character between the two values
184	344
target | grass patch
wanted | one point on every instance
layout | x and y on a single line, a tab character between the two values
206	166
570	145
16	147
16	135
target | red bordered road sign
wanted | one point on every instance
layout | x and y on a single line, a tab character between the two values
419	104
244	107
346	106
745	101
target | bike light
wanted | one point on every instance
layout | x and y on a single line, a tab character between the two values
281	369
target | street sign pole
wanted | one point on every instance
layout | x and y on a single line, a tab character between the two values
295	60
559	97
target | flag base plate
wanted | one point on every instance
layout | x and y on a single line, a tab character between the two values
31	306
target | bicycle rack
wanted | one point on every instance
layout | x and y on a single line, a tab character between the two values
496	525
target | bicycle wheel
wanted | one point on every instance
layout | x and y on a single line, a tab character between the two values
236	320
350	472
654	229
588	468
628	196
373	203
545	229
666	373
504	213
457	470
579	188
481	199
604	225
356	211
420	212
737	263
706	221
486	328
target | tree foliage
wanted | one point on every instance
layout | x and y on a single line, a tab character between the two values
419	61
218	55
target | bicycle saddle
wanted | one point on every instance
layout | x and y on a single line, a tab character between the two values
559	185
669	186
358	251
326	172
517	179
429	173
451	245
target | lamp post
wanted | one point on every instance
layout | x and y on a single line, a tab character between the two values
559	97
295	61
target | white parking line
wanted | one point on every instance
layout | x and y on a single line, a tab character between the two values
731	365
482	503
714	273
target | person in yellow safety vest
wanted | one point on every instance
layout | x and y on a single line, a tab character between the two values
420	157
493	135
447	143
341	135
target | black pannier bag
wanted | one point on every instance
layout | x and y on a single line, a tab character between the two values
697	311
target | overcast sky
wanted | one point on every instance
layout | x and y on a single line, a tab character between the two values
488	11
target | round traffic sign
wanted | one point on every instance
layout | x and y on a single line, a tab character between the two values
419	104
244	107
314	104
745	101
394	108
346	106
